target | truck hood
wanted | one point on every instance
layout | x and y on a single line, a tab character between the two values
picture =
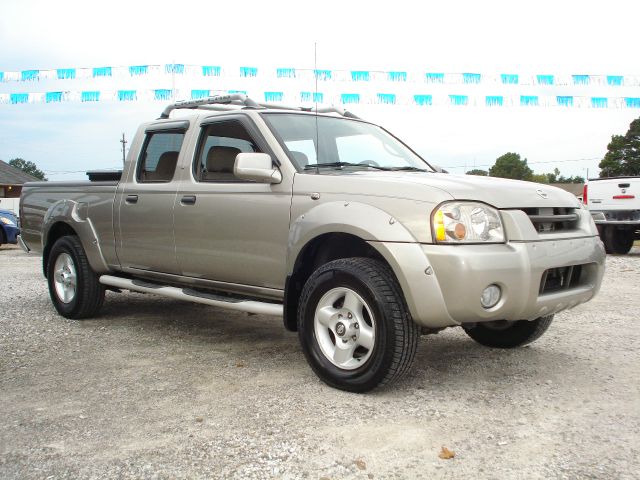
437	187
499	192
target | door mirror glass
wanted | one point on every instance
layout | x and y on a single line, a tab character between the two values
256	167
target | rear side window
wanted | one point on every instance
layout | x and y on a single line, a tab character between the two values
221	143
159	157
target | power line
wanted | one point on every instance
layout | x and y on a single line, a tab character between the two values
535	163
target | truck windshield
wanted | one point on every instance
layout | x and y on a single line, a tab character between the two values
321	142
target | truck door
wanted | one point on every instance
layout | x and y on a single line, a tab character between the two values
146	236
231	230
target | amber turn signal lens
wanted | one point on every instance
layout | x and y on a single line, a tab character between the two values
459	231
441	234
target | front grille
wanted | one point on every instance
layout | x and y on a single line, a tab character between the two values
561	278
553	219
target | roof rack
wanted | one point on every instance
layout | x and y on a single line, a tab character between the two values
227	102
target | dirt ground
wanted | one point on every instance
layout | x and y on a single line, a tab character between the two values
156	388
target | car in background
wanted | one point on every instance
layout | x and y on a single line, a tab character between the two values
614	203
8	227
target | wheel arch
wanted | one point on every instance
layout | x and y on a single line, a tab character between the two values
330	231
318	251
56	231
68	217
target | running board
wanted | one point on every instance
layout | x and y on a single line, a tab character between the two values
249	306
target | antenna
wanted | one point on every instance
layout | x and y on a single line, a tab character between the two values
315	98
315	73
173	80
124	144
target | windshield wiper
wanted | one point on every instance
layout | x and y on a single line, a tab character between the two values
342	165
408	169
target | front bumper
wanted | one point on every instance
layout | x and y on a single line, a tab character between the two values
443	284
11	233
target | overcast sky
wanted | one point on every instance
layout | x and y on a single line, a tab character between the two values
489	37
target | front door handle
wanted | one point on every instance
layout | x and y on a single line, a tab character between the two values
188	200
131	199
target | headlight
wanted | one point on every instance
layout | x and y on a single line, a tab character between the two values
7	221
467	222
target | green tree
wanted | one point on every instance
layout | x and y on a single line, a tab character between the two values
572	179
555	177
623	153
540	177
28	167
477	171
510	165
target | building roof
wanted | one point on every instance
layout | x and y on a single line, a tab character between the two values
575	188
13	176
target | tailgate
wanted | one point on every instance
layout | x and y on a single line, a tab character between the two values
614	194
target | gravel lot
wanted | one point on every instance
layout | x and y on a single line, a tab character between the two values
156	388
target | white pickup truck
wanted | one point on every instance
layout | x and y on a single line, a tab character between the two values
614	204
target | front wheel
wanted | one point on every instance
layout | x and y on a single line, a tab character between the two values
508	334
354	326
74	288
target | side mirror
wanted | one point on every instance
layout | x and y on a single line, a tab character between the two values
438	168
256	167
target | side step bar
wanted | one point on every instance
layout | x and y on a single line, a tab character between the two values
249	306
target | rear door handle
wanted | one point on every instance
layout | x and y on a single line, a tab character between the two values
188	200
131	199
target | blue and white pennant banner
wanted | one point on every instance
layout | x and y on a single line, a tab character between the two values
346	99
338	87
323	75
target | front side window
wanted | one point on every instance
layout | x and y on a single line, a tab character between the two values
334	141
221	143
159	157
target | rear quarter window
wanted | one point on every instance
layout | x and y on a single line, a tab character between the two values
159	157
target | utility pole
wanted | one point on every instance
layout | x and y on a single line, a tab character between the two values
124	144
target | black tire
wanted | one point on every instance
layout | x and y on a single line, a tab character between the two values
503	334
3	237
89	293
396	334
618	240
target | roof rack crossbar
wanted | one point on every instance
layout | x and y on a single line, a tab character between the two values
339	111
235	98
224	102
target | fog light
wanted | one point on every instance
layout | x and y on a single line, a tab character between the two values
490	296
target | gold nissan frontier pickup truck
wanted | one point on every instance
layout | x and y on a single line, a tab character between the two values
323	219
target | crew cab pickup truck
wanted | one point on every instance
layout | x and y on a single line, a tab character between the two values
614	204
321	218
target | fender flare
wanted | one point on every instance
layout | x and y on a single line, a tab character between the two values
75	215
359	219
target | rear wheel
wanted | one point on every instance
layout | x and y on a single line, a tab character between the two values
618	240
508	334
74	288
354	327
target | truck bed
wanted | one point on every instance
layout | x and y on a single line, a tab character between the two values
44	203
